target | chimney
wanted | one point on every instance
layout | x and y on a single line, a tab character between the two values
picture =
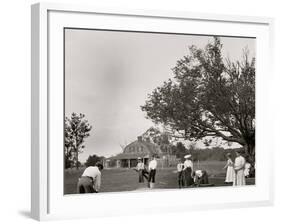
140	138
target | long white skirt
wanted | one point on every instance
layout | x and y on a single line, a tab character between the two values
230	174
239	178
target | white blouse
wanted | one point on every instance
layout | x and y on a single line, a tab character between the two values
93	172
239	163
180	167
188	163
140	166
152	164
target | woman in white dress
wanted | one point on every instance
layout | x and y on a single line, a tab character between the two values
239	167
229	179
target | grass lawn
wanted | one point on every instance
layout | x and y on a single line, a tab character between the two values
116	180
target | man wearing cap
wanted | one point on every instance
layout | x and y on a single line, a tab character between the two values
90	180
140	169
180	167
152	171
188	170
239	166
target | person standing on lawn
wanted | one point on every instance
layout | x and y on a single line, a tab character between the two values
152	172
247	167
141	170
230	173
90	181
188	171
180	167
239	166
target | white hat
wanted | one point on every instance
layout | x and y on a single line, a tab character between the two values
187	156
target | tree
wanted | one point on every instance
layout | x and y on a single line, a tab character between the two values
161	138
76	129
179	150
92	160
209	96
156	136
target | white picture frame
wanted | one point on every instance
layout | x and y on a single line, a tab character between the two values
48	201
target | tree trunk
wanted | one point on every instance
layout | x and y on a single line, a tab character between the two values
250	151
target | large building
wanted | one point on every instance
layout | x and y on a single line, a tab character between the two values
140	148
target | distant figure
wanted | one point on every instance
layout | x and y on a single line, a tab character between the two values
230	173
90	181
180	168
248	167
141	170
152	172
239	167
188	170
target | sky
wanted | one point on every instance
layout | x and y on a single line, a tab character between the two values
108	75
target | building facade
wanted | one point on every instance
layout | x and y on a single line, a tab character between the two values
143	149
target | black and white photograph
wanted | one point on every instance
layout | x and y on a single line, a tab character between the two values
146	111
